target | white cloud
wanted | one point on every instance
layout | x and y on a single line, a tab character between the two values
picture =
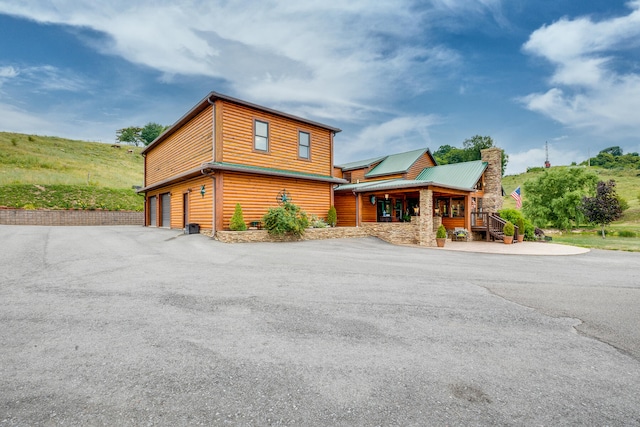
535	157
8	72
43	78
589	92
333	56
393	136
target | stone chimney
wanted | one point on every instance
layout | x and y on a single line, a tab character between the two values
492	200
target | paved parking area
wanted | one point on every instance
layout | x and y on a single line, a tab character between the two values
134	326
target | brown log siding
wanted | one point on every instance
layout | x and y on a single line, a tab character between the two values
256	194
346	209
200	208
238	140
187	148
422	163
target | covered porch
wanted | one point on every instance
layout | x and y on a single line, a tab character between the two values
421	204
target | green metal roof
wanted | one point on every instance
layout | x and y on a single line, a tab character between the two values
361	186
271	171
461	175
396	163
360	164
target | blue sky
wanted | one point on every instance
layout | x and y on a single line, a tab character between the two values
394	75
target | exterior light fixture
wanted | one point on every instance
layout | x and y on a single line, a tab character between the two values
202	190
386	196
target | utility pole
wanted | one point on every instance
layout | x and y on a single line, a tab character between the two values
546	150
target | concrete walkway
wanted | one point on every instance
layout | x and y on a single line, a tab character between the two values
524	248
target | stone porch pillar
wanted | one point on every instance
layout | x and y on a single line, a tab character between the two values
426	235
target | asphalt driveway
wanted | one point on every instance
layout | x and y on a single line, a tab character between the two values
134	326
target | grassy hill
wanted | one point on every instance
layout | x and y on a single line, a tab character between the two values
58	173
627	186
623	234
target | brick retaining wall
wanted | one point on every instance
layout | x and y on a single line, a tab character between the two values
69	217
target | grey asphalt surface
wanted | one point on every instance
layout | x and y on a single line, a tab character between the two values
133	326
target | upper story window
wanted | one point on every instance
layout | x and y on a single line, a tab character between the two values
261	136
304	141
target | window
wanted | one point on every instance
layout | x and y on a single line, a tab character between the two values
303	145
261	131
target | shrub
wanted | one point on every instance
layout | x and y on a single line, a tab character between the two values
286	219
318	222
441	233
520	224
332	216
515	216
509	229
237	220
626	233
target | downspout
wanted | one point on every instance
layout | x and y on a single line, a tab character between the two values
146	199
203	171
213	129
357	196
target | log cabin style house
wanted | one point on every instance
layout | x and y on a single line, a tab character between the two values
226	151
411	187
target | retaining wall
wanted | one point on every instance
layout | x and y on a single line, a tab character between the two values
396	233
69	217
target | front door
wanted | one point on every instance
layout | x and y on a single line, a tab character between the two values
384	210
185	209
165	206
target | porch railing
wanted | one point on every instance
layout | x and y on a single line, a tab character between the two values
492	225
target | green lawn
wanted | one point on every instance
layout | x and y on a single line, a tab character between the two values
595	241
56	173
627	186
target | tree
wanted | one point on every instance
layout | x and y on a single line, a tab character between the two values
605	207
130	135
150	132
554	198
614	151
447	154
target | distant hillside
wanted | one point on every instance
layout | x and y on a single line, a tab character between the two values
627	186
29	159
58	173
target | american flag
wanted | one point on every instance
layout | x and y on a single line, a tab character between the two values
518	198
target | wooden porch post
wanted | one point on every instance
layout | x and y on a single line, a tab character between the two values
467	212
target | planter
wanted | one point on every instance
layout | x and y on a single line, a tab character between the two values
508	240
440	241
520	238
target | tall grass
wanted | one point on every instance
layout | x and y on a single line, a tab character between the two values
43	160
57	173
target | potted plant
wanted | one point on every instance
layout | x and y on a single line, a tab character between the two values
520	230
441	236
508	232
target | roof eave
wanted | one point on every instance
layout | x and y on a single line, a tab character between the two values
214	166
212	96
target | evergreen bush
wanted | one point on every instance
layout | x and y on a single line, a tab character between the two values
332	216
441	233
237	220
509	229
286	219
